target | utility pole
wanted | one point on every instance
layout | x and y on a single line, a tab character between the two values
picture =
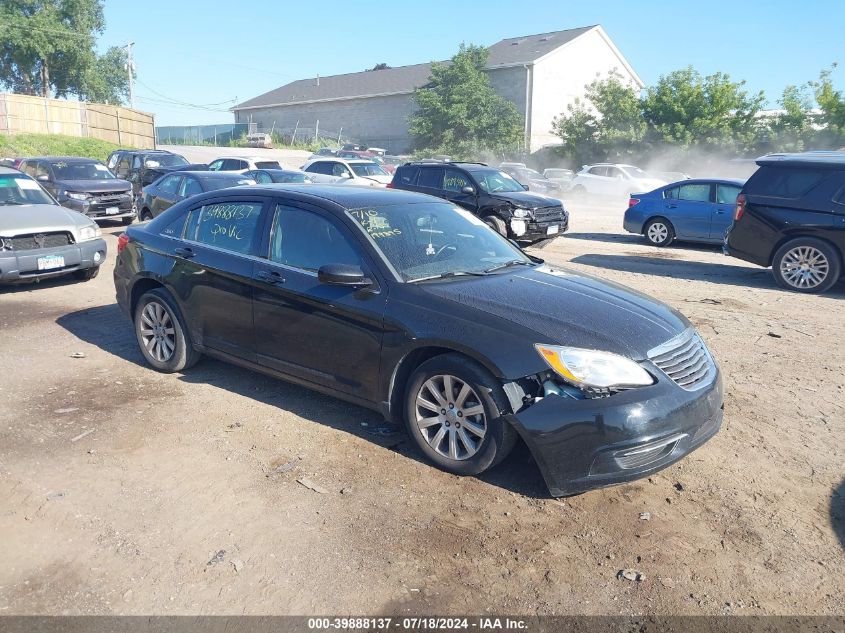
130	69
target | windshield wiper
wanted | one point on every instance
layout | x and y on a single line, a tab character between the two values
450	273
513	262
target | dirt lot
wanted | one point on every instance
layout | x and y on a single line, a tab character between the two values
171	504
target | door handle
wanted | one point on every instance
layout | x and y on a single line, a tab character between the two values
671	206
270	277
720	212
187	253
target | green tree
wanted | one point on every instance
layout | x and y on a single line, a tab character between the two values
47	48
607	124
107	80
791	130
687	110
832	105
459	114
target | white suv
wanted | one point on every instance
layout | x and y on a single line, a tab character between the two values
606	179
241	164
347	172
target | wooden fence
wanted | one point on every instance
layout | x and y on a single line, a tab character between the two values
123	126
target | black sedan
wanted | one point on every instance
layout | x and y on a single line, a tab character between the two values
415	308
283	176
177	186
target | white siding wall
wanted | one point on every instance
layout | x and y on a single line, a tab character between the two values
562	76
379	121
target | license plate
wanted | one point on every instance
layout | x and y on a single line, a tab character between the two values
50	262
112	211
552	230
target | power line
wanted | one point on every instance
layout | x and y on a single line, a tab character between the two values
185	103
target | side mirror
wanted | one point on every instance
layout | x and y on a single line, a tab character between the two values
346	175
468	190
525	187
342	275
43	178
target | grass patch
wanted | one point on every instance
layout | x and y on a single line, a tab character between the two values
22	145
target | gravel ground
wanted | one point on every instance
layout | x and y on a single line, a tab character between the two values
127	491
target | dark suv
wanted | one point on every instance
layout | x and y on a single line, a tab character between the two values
489	193
142	167
791	216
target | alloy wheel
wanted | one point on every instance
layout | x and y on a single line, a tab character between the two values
158	334
804	267
658	232
450	417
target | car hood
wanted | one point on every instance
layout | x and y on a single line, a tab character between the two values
39	218
525	199
91	186
569	308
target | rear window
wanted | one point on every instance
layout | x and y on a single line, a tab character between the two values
268	164
407	175
784	182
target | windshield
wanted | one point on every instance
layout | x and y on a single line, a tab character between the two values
558	173
20	189
494	181
210	184
164	160
367	169
432	239
81	171
635	171
530	173
268	164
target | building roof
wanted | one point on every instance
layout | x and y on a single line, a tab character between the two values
404	79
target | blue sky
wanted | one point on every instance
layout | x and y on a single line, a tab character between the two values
212	53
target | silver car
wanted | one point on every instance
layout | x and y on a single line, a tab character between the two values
41	239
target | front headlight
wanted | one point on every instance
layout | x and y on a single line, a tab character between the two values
521	213
594	369
89	233
77	196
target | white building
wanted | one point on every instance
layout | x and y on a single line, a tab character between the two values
541	74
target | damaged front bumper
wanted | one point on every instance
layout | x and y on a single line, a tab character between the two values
584	444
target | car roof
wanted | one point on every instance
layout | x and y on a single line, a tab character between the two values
12	171
705	181
821	158
279	171
346	196
64	159
210	175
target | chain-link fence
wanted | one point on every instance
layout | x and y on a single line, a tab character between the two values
217	135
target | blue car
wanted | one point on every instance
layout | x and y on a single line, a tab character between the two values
689	210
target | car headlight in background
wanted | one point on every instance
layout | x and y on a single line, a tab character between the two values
77	196
91	232
521	213
594	369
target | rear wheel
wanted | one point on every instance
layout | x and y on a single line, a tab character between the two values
497	224
127	221
452	407
146	214
161	333
659	232
806	265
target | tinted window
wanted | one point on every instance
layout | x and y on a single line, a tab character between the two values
29	167
726	194
231	164
339	169
455	181
407	175
169	184
112	161
321	167
305	240
42	172
431	177
694	193
229	225
190	187
215	165
784	182
614	172
599	171
268	164
81	171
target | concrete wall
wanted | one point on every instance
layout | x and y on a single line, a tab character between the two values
377	121
562	76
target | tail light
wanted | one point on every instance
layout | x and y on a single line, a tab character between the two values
390	185
740	207
122	241
632	202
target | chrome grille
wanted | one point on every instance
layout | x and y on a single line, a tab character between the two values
548	213
110	198
685	360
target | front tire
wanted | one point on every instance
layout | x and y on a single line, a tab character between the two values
659	232
161	333
452	413
497	224
806	265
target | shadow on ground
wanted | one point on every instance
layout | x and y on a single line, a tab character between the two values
837	512
664	266
108	329
629	238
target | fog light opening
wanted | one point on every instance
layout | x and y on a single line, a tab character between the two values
97	257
